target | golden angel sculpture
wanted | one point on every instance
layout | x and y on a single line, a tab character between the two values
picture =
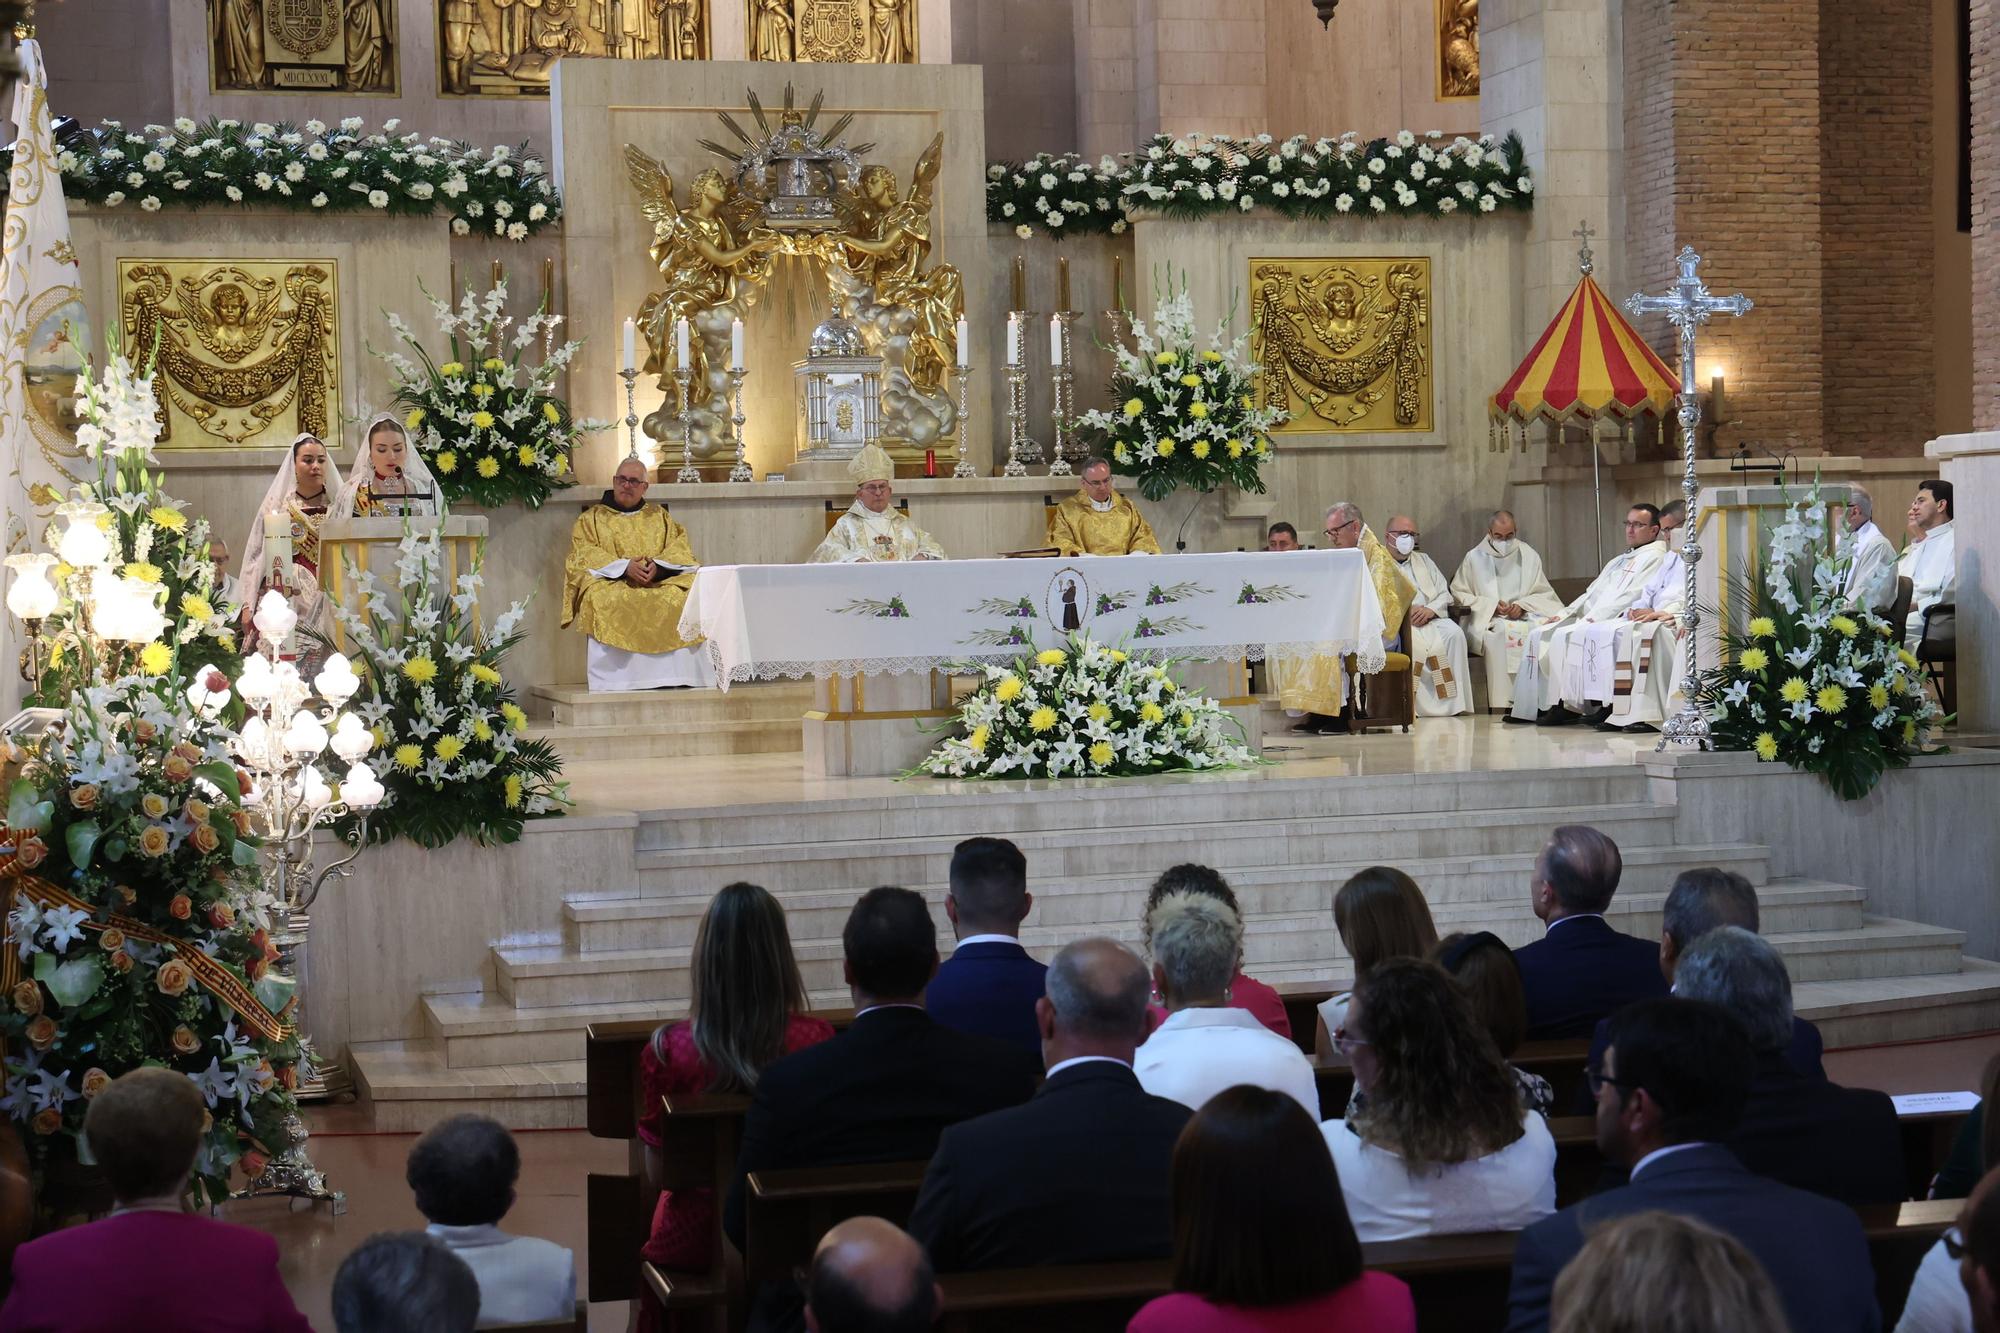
712	259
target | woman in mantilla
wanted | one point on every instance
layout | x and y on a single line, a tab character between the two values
388	478
295	504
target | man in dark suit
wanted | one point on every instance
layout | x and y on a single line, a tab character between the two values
1808	1133
883	1090
1979	1269
1673	1084
1081	1173
989	985
1581	970
869	1277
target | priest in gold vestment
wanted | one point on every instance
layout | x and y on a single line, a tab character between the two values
1099	521
871	530
1315	687
627	577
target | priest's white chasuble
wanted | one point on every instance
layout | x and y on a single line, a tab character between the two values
1869	579
1931	566
1438	648
1609	596
1484	580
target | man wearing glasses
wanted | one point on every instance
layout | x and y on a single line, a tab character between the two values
1314	688
1538	687
1869	576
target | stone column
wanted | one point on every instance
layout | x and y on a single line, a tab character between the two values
1200	67
1971	463
1985	214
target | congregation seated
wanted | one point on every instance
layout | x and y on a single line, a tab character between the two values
1380	914
1245	992
1484	969
1539	685
1581	970
872	531
1437	644
1670	1091
1441	1142
1655	1272
1079	1174
1262	1241
869	1277
404	1282
462	1171
989	985
1806	1132
625	583
1699	901
1097	520
1205	1045
1501	582
1957	1286
151	1263
1974	1151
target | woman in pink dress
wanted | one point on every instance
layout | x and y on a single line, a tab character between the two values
1245	993
1262	1243
747	1010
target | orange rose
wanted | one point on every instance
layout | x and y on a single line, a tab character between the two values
181	908
221	915
185	1042
219	873
122	961
32	853
196	810
177	769
154	841
28	998
153	805
288	1077
126	893
253	1164
241	819
112	940
174	977
242	780
256	968
182	748
260	940
84	797
205	839
144	730
47	1120
42	1032
95	1081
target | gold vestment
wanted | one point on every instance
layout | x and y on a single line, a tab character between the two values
1075	528
612	611
1317	683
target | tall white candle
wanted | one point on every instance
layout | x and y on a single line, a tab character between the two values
631	344
681	343
736	344
1055	341
1013	341
964	341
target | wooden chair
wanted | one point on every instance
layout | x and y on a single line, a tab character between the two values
577	1323
788	1211
1937	652
1898	614
833	514
1389	697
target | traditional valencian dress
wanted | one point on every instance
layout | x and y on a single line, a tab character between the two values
1080	526
256	575
635	641
862	535
1317	682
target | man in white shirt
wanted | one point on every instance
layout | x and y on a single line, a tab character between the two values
1929	562
462	1172
1501	580
1437	643
1538	687
1621	673
1869	578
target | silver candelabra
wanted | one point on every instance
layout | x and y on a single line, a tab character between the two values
630	374
1020	444
964	467
741	472
1063	394
685	378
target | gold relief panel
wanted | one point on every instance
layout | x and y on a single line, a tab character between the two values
1344	344
877	32
247	351
1457	49
509	47
318	46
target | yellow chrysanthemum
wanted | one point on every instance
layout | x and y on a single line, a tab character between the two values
1187	717
494	363
977	740
380	733
1211	357
1101	754
482	730
482	420
196	607
1247	405
484	674
482	391
1118	453
1152	712
1133	407
1763	627
1163	358
415	419
562	465
552	414
1042	719
1754	659
420	669
452	368
1166	448
1844	625
516	719
513	788
1831	698
143	570
1100	712
1235	448
489	467
1263	448
1199	411
447	462
1767	746
1878	697
1909	731
155	658
525	455
1116	655
1052	657
1191	381
173	520
1008	690
409	755
1792	690
449	748
1200	448
1168	685
1907	658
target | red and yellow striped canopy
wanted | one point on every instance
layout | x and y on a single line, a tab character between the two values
1589	361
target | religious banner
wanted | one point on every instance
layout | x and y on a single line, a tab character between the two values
319	46
765	621
246	352
509	47
1345	344
1457	49
879	32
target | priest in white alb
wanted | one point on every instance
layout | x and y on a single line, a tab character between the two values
1437	645
1631	666
625	582
1930	560
1867	557
871	529
1501	579
1538	686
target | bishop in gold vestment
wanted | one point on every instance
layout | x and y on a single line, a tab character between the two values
1316	685
1098	521
619	590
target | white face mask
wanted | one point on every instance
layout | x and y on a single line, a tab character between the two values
1403	542
1502	546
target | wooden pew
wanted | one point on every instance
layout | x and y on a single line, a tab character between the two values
787	1211
1560	1062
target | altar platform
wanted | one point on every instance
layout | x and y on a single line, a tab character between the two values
463	980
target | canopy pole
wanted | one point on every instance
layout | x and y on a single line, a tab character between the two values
1597	489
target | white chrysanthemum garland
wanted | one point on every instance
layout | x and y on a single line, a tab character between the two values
313	168
1300	177
1086	710
490	426
1185	416
1818	681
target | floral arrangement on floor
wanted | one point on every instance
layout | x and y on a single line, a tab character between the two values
1817	681
1300	177
442	714
1185	415
312	168
1085	710
488	423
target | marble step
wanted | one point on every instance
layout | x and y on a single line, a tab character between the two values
576	706
1012	809
1239	844
410	1087
638	920
670	740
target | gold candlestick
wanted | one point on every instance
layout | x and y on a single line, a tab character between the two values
1062	284
1020	301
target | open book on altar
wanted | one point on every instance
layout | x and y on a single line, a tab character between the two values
1039	553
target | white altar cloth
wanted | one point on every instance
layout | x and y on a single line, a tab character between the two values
766	621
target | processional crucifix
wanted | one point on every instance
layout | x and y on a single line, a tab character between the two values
1687	306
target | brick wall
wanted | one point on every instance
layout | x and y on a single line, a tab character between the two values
1648	167
1986	214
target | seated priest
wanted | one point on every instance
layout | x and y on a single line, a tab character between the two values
625	582
1929	561
1538	687
1621	674
871	530
1313	687
1281	537
1099	521
1501	579
1437	645
1868	558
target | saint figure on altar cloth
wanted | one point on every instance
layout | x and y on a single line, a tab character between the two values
1314	686
388	478
292	509
871	530
624	585
1501	579
1539	687
1099	521
1437	644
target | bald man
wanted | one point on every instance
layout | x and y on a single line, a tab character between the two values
870	1277
1437	643
1080	1174
625	583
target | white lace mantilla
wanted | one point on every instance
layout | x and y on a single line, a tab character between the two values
764	622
